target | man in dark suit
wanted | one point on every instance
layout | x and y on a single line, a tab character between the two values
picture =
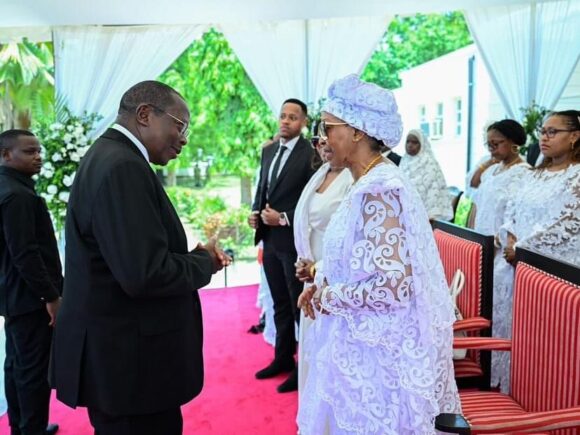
286	167
30	284
129	339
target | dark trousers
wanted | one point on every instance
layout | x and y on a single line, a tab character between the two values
28	339
168	422
285	289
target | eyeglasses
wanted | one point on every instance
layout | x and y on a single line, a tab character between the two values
552	132
494	145
323	128
184	125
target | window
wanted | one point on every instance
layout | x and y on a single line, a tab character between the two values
438	122
458	117
423	123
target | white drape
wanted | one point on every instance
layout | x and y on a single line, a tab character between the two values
96	65
530	50
301	58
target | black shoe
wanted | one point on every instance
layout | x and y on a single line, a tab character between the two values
51	429
274	369
290	384
256	329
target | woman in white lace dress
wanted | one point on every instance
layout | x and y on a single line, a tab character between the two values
379	350
544	216
500	184
421	167
319	199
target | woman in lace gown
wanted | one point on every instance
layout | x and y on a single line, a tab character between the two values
499	184
421	167
319	199
544	216
379	349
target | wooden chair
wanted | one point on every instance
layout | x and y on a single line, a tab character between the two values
545	365
461	248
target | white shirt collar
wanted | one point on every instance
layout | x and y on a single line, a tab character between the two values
133	139
290	144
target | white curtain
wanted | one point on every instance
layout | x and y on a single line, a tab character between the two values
95	65
301	58
530	50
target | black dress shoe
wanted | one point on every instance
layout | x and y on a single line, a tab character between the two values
274	369
290	384
51	429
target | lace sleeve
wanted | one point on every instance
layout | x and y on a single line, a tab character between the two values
561	236
380	266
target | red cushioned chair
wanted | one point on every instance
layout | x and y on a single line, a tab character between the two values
461	248
545	364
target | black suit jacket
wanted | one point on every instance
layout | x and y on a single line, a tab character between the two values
284	194
30	270
128	338
394	157
533	154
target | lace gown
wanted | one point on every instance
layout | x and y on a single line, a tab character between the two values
498	186
544	216
381	360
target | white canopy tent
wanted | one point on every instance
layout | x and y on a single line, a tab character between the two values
289	50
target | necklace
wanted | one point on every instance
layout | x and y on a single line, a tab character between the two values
371	165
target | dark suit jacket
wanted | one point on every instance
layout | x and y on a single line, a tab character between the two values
128	338
394	157
30	270
284	195
533	154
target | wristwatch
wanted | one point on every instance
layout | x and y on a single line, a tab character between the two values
283	220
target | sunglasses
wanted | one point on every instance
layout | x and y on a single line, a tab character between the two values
323	128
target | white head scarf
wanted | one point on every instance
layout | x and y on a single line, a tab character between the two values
426	175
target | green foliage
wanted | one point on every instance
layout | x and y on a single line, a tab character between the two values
26	82
532	119
229	118
210	216
64	144
411	41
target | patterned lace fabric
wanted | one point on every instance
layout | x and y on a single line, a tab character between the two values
381	360
544	216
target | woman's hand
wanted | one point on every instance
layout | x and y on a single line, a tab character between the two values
509	254
305	270
305	301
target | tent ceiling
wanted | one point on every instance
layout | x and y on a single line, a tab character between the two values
32	13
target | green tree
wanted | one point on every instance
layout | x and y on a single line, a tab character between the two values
411	41
26	82
229	118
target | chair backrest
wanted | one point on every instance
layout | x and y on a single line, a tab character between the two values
545	362
461	248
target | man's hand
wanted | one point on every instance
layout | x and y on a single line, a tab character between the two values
303	270
253	219
509	254
270	216
219	258
52	309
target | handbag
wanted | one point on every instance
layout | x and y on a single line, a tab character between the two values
455	288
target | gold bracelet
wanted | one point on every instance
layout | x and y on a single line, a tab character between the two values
312	271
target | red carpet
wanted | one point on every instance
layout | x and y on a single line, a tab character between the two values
232	401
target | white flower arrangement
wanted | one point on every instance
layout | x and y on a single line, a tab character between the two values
64	144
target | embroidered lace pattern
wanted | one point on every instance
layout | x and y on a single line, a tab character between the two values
381	360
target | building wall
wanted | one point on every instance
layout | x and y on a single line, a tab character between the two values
443	82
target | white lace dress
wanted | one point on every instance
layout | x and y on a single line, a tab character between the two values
381	360
498	186
544	216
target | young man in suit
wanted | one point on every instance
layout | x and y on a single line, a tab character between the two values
286	167
128	345
30	284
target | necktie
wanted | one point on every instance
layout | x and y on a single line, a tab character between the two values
276	169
